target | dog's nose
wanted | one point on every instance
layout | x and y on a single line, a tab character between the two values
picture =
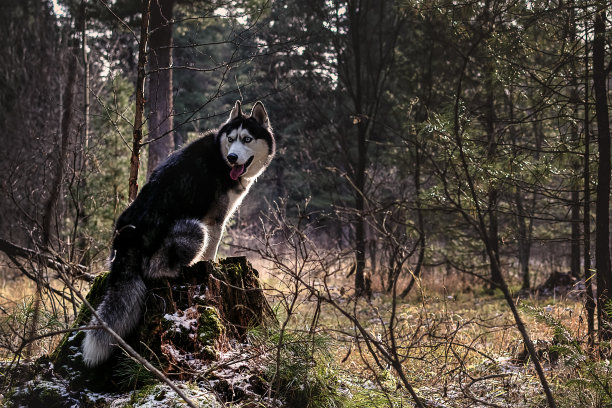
232	157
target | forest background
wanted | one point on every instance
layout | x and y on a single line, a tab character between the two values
443	169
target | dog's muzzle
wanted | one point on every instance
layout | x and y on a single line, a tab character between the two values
238	170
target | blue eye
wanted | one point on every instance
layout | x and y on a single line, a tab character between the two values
230	139
247	139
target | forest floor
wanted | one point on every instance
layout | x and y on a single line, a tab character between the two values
459	344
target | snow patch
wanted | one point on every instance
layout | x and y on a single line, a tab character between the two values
183	320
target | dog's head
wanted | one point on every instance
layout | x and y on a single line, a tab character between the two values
247	144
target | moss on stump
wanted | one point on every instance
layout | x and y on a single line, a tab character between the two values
187	321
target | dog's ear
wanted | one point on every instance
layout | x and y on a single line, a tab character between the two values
260	115
237	111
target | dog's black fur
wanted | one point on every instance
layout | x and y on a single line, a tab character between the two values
165	227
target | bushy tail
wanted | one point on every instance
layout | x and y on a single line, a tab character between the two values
120	309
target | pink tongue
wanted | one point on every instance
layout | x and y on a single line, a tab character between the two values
236	171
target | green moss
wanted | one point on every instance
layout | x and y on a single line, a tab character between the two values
140	396
47	394
234	269
210	327
94	297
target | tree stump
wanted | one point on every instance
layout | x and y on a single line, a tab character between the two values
187	322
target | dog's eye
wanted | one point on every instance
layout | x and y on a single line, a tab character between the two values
247	139
230	139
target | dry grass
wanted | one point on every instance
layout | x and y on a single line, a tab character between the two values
459	342
18	309
14	287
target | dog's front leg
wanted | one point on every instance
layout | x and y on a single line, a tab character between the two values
215	232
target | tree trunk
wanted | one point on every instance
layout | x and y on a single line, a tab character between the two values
575	235
575	160
602	208
524	243
420	221
360	230
354	14
493	236
523	228
85	60
589	301
62	150
140	100
493	228
160	103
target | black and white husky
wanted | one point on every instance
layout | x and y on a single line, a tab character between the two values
178	218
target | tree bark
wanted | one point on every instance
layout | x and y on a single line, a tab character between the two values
576	164
524	239
62	149
589	301
140	100
354	14
160	98
85	60
360	230
575	233
420	222
523	231
493	227
602	207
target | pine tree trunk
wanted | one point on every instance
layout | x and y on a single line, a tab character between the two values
420	222
602	208
360	230
575	160
360	168
524	243
493	227
140	100
160	98
589	295
62	152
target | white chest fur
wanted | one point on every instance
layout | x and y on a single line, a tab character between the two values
234	198
215	221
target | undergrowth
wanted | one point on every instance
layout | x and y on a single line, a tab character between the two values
132	375
458	345
299	368
590	384
16	321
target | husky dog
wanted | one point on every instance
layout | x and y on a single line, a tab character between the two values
178	218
